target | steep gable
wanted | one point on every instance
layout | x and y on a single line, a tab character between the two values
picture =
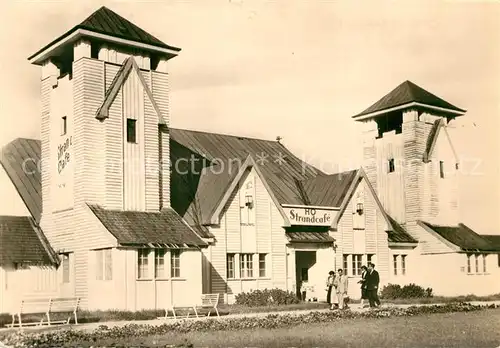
218	159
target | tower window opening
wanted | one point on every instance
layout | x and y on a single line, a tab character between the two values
441	169
391	165
131	130
64	125
390	122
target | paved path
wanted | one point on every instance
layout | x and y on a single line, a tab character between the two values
157	322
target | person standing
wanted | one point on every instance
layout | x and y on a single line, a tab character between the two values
372	281
364	295
329	287
341	284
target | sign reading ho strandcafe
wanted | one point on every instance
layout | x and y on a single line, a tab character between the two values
308	216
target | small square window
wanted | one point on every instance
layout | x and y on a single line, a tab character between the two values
131	130
64	125
391	165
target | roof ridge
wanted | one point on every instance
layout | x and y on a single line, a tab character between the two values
225	134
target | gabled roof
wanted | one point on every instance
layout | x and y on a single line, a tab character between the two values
21	160
128	66
408	93
463	237
109	23
196	196
21	242
136	228
328	190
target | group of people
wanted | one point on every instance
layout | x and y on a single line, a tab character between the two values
337	286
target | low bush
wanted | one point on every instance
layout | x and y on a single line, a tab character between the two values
396	291
266	297
80	338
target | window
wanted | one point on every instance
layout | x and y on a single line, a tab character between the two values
345	264
403	264
65	268
131	130
142	263
357	262
230	266
175	259
484	263
160	264
441	169
391	165
469	267
395	264
476	258
64	125
262	265
104	264
246	266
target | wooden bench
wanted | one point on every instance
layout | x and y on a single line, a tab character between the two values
210	301
46	307
207	301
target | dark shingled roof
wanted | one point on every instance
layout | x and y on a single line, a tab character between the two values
196	197
493	239
328	190
165	228
405	93
21	159
104	21
463	237
21	242
309	237
398	233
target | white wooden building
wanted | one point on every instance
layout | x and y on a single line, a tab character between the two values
129	213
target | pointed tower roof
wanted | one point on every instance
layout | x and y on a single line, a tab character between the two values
406	95
107	25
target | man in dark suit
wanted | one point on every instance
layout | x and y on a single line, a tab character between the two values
372	281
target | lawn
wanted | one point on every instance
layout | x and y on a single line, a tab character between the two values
464	329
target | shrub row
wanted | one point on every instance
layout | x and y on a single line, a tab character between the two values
266	297
395	291
75	338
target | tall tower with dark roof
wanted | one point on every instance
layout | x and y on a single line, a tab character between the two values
409	157
104	127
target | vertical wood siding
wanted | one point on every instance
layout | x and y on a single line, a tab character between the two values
278	249
233	227
160	91
46	89
151	149
114	145
134	157
262	217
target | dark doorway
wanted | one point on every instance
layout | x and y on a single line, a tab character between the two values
304	260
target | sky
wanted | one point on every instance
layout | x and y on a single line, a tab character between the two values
295	69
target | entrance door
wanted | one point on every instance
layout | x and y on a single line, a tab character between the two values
304	260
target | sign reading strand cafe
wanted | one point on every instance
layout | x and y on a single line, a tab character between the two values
308	216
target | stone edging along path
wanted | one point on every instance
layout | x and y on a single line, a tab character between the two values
63	337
